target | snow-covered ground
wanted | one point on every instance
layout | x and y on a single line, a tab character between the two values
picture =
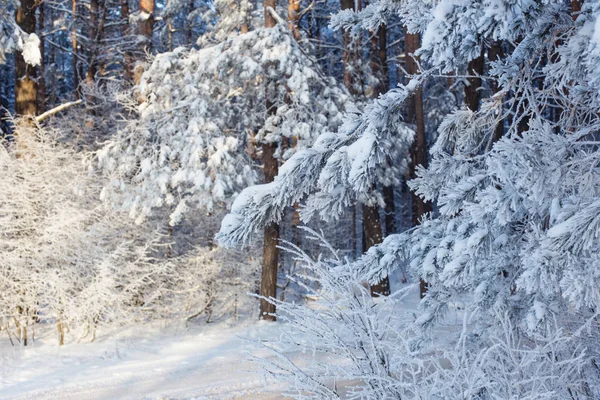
146	362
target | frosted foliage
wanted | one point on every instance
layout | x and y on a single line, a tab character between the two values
62	255
351	346
339	169
518	221
8	39
230	16
12	38
514	234
516	228
203	113
67	258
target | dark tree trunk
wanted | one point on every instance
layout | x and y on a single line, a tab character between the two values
92	48
75	61
126	31
349	54
418	151
26	87
268	284
390	210
372	236
473	89
42	79
372	232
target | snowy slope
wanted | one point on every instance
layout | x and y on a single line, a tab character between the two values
208	362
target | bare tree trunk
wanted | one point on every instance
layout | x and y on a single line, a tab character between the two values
268	285
26	87
353	238
61	332
418	151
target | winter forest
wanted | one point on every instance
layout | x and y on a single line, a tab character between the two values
310	199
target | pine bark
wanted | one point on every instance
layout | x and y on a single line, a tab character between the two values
26	87
348	53
294	17
372	231
42	79
347	60
74	50
418	151
92	48
473	89
147	22
125	31
268	284
373	235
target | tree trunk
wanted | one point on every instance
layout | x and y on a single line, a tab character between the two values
147	23
26	87
268	284
372	236
372	232
418	151
42	79
125	31
495	53
92	48
390	210
349	55
294	17
74	50
473	89
388	191
190	28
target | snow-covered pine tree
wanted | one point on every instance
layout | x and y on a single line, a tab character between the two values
514	237
201	110
340	168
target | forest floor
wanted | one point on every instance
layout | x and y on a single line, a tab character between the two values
147	362
156	361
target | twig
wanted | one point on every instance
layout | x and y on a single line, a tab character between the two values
55	110
276	16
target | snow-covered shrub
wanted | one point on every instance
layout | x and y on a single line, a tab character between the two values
214	283
205	111
67	258
349	345
63	255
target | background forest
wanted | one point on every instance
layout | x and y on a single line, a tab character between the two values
363	172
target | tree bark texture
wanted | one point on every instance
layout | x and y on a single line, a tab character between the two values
418	151
26	87
268	284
